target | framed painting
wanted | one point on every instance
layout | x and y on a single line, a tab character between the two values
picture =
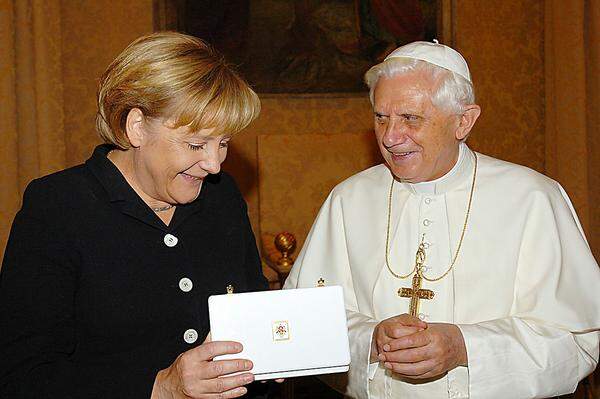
306	46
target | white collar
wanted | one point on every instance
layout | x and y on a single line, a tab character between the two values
461	171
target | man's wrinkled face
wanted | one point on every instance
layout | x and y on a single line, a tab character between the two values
417	140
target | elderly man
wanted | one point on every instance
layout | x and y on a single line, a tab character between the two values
463	275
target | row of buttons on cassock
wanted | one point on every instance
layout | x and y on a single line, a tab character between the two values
185	284
426	223
423	316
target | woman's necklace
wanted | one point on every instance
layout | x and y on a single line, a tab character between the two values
110	155
420	255
163	208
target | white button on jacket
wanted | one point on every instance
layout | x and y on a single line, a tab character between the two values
190	336
185	284
170	240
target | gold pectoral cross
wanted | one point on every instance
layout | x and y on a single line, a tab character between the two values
416	292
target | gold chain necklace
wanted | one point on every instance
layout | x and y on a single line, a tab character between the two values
462	234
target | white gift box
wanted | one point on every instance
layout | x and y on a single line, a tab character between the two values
286	333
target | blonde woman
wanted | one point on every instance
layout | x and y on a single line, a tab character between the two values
109	264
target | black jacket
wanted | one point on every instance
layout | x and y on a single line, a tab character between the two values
90	297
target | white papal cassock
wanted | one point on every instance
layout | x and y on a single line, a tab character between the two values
525	290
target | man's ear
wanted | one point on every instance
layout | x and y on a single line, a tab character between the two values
134	127
467	121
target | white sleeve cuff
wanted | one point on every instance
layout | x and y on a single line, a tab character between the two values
372	370
510	355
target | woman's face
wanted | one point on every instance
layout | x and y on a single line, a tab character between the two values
170	164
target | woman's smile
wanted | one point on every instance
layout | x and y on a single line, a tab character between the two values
190	178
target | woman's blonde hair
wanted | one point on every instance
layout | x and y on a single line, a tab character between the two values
177	77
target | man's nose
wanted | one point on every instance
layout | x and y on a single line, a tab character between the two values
394	133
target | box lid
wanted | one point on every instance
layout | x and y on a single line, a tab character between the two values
287	330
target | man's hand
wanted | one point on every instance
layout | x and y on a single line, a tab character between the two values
426	354
394	327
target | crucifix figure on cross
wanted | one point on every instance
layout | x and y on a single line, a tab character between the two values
415	293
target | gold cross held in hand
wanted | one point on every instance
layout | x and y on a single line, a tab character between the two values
416	292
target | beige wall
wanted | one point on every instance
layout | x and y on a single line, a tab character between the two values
508	73
93	33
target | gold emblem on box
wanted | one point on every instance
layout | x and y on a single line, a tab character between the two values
281	330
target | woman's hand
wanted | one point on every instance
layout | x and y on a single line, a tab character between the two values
194	374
